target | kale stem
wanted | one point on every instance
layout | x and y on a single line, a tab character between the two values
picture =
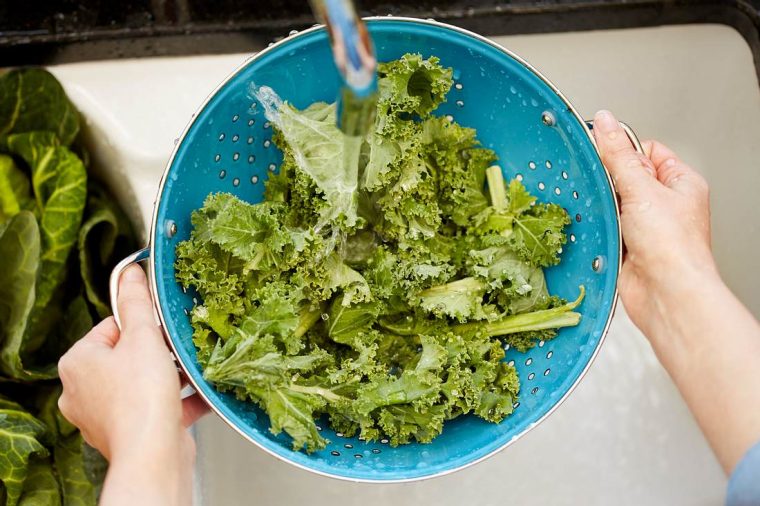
306	320
468	284
496	187
557	317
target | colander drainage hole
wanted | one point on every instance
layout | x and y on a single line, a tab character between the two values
548	164
515	405
235	157
384	441
217	157
557	191
339	434
375	450
348	446
541	343
575	195
578	218
550	354
251	121
534	391
171	228
519	177
221	137
547	371
597	264
335	453
222	174
267	143
460	103
541	186
254	179
357	455
250	140
564	175
572	237
235	138
529	361
235	182
251	158
272	167
235	118
458	86
532	165
531	376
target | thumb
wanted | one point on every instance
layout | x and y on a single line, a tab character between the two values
632	172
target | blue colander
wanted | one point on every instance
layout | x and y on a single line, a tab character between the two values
538	137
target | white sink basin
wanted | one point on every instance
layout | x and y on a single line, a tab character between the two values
625	436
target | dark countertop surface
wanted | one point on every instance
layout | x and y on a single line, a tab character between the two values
58	31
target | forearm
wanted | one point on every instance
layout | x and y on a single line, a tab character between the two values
157	472
710	345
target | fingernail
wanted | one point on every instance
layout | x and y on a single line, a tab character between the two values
133	273
605	121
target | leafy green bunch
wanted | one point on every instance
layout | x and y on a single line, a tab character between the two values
60	234
388	316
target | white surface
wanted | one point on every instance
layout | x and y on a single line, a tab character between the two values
624	437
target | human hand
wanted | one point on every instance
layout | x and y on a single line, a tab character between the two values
665	220
123	392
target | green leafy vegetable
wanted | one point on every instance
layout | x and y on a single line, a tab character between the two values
379	290
60	236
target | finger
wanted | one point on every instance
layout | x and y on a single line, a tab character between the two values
193	408
105	332
671	170
631	171
134	302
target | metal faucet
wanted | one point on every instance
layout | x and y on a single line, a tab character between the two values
355	58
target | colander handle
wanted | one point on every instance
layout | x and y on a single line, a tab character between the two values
113	282
628	131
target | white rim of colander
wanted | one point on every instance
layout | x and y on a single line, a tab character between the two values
154	229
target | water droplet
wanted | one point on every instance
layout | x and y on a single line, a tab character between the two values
512	90
254	179
292	32
325	316
534	102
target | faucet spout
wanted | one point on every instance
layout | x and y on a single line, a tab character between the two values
355	59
